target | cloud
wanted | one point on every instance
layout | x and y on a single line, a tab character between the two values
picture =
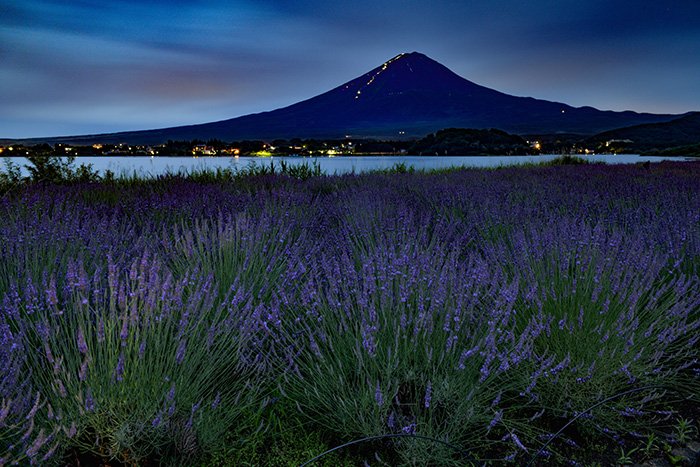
132	64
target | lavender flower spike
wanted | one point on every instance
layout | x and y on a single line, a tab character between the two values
428	395
82	345
119	371
378	395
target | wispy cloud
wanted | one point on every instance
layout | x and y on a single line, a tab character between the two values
129	64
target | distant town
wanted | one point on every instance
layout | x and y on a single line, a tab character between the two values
442	143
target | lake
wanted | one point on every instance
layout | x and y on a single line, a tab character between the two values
338	165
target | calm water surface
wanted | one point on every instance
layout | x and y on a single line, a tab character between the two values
338	165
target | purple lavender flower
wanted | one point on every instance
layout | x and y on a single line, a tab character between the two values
89	401
465	355
217	401
194	409
82	345
111	272
133	270
51	295
82	374
100	330
391	421
4	411
494	421
516	440
196	406
119	370
61	388
34	448
571	443
625	370
82	278
409	429
631	412
180	354
211	333
368	340
378	397
428	395
124	334
31	413
157	420
71	275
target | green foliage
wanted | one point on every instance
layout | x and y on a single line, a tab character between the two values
684	429
287	442
567	160
397	168
299	171
10	177
625	456
50	168
11	174
650	447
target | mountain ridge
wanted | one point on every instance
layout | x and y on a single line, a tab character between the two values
684	130
408	95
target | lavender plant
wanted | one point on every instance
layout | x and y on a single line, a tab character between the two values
135	362
603	315
399	338
21	439
146	319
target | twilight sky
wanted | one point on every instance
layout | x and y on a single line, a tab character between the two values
92	66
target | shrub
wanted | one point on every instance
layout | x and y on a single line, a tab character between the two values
136	363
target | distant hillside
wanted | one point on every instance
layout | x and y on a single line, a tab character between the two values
465	142
410	95
683	131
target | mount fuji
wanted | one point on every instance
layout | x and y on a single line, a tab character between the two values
409	95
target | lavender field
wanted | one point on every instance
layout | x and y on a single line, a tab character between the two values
262	320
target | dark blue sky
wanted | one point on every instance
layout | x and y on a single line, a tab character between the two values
88	66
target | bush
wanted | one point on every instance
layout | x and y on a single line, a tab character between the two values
137	363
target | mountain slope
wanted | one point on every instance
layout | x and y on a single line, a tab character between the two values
410	95
677	132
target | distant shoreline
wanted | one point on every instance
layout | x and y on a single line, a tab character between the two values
262	159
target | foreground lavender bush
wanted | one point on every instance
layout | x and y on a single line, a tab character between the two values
485	309
399	341
20	439
602	314
136	363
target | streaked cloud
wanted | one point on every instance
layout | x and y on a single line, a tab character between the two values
91	66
